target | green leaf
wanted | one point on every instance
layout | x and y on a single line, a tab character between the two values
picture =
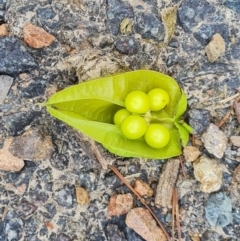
182	106
184	133
111	137
188	127
90	107
114	90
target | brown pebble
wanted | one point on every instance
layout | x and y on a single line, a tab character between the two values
3	30
142	188
215	48
36	37
235	140
191	153
141	221
82	196
198	142
49	225
8	162
120	204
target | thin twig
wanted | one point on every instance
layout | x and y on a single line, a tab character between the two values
182	166
173	213
229	99
224	119
114	169
177	216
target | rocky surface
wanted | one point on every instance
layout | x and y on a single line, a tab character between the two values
38	200
199	119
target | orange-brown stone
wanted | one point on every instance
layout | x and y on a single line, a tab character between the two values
36	37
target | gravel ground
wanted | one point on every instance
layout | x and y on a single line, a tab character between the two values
39	201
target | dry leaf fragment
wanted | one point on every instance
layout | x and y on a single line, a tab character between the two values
166	183
91	64
126	26
169	18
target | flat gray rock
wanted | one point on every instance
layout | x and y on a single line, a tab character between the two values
14	57
5	84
